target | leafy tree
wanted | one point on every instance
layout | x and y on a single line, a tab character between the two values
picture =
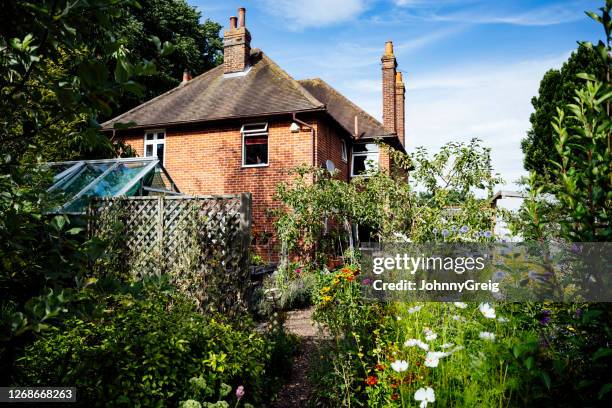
62	65
197	46
443	193
557	88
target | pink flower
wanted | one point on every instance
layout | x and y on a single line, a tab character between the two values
298	271
240	392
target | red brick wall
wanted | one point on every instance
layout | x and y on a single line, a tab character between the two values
208	160
329	147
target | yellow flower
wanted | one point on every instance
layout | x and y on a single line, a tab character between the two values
327	298
325	289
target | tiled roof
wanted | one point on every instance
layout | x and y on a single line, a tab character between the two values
265	89
343	110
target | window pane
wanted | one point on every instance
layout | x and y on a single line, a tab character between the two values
160	153
365	163
149	136
259	127
369	147
359	164
161	135
256	150
149	151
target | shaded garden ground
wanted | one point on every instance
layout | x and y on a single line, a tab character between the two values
297	390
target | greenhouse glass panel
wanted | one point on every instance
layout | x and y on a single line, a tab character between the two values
118	177
79	181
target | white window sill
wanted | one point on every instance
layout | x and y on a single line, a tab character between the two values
251	166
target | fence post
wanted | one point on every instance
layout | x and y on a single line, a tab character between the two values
160	232
245	222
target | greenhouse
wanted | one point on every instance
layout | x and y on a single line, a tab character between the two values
79	181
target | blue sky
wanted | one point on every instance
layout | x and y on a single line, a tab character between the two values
471	67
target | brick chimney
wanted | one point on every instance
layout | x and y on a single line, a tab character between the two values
400	92
186	77
236	45
389	64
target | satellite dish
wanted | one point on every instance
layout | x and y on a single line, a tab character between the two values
330	166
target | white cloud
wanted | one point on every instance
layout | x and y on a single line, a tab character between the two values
314	13
495	13
457	103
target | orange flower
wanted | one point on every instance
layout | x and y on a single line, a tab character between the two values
346	270
350	278
394	397
371	380
380	367
394	385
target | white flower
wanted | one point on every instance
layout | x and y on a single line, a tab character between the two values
447	345
415	342
487	336
502	320
433	358
460	305
398	318
425	395
429	334
487	310
411	342
458	318
414	309
399	365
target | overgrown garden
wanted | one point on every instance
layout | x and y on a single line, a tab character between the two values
70	314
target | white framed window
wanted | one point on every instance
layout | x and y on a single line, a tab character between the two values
254	145
343	151
155	144
364	159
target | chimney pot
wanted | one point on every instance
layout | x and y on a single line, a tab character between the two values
186	76
233	21
398	78
241	17
389	48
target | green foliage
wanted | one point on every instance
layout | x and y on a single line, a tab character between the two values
146	352
196	46
557	88
318	215
44	260
575	204
62	64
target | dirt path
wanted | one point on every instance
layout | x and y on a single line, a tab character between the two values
297	390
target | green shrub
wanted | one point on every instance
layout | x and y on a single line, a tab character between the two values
144	352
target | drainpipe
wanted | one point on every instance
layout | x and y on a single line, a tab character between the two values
312	135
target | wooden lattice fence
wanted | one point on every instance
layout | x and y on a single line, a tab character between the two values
201	242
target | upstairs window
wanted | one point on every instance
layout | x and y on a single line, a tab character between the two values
155	144
365	159
254	145
343	153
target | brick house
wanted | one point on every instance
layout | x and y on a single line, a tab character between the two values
240	127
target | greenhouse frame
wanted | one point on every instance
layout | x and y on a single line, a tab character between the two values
79	181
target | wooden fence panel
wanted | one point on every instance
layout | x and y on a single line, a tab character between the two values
192	238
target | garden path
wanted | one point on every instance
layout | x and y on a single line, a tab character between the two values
296	392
